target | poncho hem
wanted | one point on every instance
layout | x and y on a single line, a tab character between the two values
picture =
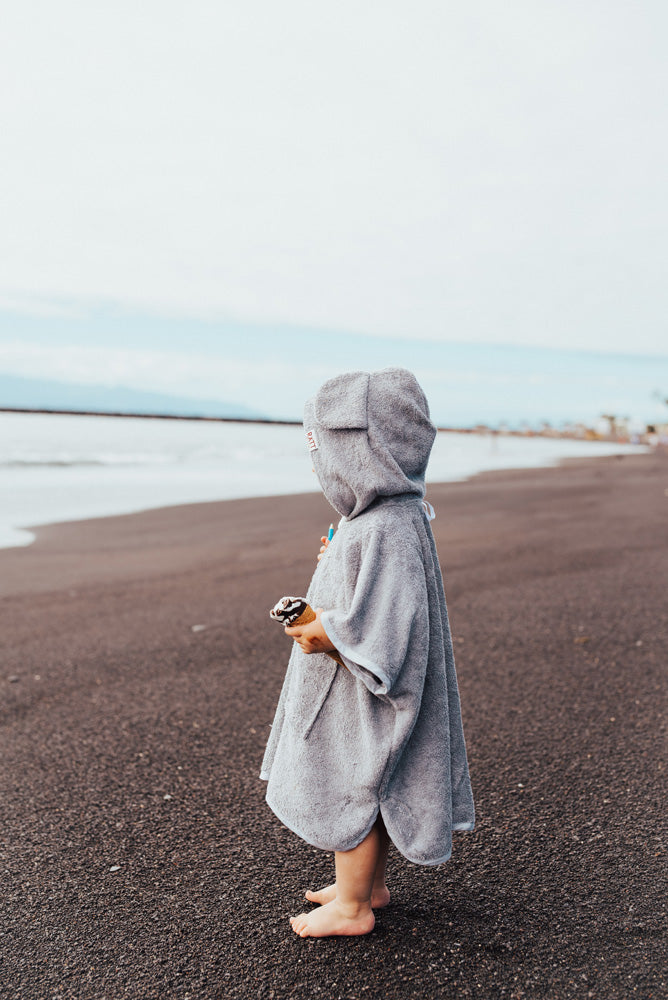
323	847
314	843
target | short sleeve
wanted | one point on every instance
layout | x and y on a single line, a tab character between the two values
387	616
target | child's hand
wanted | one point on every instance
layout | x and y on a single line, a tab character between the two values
312	637
323	547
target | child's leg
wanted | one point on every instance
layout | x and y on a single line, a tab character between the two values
349	912
380	894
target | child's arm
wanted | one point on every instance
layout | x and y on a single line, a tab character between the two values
312	637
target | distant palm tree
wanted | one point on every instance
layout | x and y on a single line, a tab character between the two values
612	422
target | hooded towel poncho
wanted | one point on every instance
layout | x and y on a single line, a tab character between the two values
386	733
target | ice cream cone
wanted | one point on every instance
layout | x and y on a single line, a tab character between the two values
296	611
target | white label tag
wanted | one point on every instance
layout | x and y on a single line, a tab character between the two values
312	441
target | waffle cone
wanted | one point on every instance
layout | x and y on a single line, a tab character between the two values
307	615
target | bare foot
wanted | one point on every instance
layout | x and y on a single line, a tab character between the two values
379	897
333	918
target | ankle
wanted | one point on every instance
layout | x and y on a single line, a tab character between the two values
353	908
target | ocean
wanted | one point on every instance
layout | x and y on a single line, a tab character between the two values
56	467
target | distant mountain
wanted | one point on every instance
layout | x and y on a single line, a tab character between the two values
45	394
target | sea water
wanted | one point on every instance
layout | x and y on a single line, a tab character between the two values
59	467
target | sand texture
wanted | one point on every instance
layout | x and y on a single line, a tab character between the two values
139	673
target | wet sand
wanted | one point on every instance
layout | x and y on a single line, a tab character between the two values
138	856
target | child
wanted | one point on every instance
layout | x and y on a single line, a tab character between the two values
373	751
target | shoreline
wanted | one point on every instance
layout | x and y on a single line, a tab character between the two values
139	534
35	529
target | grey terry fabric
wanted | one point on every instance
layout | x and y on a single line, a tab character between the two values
386	733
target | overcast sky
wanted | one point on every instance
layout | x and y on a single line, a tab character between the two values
488	171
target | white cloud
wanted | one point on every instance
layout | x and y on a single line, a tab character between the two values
491	172
271	383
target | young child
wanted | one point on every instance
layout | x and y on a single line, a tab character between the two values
373	751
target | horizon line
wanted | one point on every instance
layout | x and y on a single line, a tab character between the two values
475	429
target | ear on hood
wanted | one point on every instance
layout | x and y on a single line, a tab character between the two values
341	403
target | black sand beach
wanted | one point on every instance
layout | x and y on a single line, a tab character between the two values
139	674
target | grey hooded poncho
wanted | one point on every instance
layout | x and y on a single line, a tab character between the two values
386	733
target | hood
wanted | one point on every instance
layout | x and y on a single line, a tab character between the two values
370	436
